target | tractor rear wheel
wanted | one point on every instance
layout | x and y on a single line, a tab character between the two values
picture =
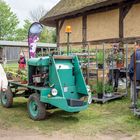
36	109
7	98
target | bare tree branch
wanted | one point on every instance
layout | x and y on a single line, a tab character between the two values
36	14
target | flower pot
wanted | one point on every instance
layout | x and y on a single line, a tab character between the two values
120	64
108	95
100	66
23	82
100	96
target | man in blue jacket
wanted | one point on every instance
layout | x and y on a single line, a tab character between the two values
131	72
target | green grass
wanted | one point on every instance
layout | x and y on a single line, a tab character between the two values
114	117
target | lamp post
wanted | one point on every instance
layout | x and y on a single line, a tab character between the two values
68	32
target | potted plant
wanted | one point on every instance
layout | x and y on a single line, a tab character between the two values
108	90
23	79
120	59
98	89
100	59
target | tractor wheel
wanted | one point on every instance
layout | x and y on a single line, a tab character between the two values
36	109
7	98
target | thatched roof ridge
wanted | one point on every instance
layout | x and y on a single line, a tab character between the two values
67	7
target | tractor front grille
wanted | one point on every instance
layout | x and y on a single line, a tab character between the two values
74	102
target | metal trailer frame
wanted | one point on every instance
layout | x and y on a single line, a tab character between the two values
116	94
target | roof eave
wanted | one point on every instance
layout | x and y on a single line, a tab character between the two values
47	22
51	21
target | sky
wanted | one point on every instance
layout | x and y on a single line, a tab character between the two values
22	8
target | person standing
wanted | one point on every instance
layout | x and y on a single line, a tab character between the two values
3	80
134	57
22	62
114	72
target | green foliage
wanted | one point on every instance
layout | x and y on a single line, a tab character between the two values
98	88
23	77
8	22
120	57
22	33
48	35
108	88
9	27
100	57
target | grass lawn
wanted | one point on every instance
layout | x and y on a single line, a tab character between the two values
110	118
113	118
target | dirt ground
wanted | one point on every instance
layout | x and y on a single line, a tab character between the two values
26	135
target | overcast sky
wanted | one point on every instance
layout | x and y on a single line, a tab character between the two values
22	8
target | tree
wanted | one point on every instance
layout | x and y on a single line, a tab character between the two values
48	35
22	33
36	14
8	22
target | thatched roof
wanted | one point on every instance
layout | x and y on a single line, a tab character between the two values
69	7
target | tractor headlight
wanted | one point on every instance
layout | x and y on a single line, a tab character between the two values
89	94
54	92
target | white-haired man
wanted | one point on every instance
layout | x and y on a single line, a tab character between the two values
3	80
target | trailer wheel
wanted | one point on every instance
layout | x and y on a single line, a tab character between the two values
7	98
36	109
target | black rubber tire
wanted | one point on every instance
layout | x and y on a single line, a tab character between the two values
41	115
9	96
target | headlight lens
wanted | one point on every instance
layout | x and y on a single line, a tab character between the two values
89	94
54	92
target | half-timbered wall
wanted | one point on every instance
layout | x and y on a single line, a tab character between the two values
132	22
103	25
76	35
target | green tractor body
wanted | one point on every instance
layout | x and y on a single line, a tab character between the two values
55	81
63	77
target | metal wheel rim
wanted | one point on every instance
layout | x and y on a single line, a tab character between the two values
4	98
33	108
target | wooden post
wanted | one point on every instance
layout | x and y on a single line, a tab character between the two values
84	31
57	34
59	25
123	11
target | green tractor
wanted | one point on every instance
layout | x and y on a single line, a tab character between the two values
53	81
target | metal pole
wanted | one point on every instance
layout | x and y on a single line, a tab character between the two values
126	69
96	64
135	94
42	51
88	65
68	44
103	69
60	50
112	68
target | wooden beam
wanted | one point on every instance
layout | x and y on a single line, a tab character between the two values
57	34
84	30
111	40
61	24
130	40
94	42
123	11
